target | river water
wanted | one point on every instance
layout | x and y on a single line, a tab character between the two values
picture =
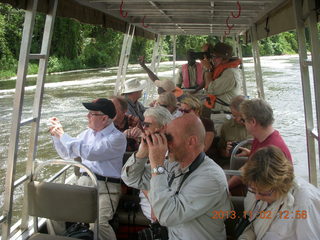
65	92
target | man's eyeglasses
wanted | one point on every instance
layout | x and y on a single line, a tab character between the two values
146	124
95	114
263	194
163	105
185	110
168	137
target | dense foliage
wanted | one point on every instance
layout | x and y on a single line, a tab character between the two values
79	46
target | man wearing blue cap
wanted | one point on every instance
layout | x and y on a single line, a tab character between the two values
101	148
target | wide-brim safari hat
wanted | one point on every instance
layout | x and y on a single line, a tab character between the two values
134	85
169	86
222	50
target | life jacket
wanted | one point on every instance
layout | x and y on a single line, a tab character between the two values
185	75
218	70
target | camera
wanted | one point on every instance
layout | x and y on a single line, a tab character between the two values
155	231
200	55
234	144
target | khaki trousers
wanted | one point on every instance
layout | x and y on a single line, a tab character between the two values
105	208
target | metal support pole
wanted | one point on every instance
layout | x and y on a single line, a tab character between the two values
37	103
155	55
124	59
244	82
315	50
306	90
174	57
16	115
257	64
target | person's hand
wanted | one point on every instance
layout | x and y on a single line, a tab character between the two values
55	127
133	132
245	152
153	217
143	150
56	131
228	146
158	148
206	64
54	122
141	61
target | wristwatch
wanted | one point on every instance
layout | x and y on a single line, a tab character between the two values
158	170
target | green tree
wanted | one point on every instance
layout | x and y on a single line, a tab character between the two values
66	38
103	48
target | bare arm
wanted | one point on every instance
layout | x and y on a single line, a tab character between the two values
151	74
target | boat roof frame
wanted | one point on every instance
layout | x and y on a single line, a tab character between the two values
221	18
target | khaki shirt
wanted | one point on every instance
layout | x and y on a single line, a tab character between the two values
232	131
226	87
192	212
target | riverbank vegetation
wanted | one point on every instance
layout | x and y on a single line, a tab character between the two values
80	46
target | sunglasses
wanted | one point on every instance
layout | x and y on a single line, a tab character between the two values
185	110
163	105
146	124
95	114
263	194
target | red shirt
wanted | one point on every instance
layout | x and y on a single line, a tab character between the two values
274	139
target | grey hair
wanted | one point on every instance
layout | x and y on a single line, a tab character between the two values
168	98
236	101
161	114
259	110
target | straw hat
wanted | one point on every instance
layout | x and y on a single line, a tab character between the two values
134	85
169	86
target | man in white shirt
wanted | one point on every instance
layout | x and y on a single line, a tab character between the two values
101	148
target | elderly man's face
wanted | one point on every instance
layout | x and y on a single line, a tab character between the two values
150	125
237	116
96	120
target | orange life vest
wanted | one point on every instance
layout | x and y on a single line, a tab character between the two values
218	70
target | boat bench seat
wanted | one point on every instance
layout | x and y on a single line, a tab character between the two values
61	202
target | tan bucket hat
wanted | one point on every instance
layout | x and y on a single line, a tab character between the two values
134	85
169	86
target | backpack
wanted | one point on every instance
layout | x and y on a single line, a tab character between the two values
80	231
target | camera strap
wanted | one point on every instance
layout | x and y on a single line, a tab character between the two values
193	166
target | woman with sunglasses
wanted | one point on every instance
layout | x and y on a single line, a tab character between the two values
278	205
192	104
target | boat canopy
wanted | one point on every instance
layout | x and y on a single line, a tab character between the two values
181	17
